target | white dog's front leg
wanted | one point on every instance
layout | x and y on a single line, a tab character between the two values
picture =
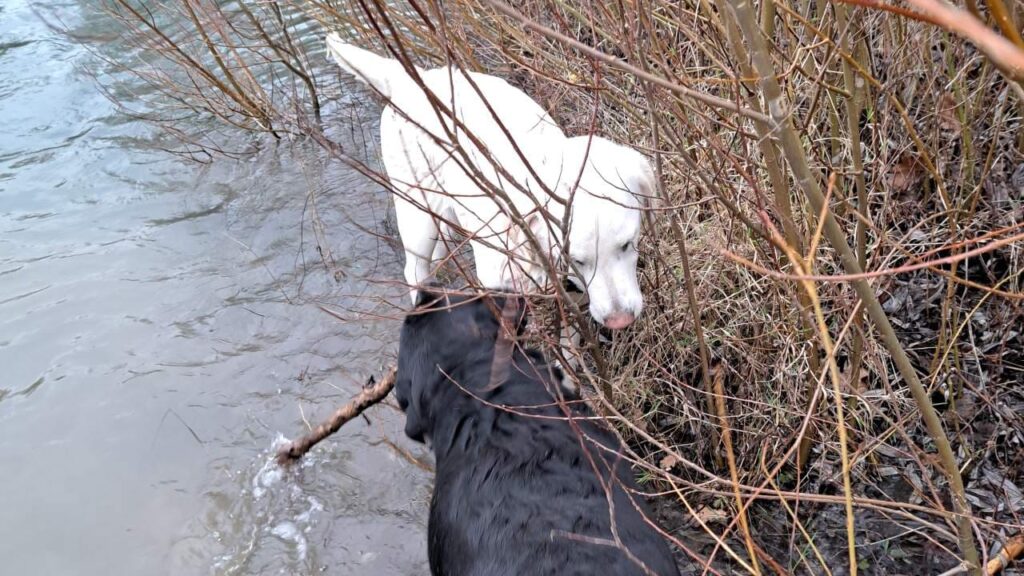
444	240
569	342
417	270
493	267
419	234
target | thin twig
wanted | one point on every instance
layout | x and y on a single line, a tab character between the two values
719	392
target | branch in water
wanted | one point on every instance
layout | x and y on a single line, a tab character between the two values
368	397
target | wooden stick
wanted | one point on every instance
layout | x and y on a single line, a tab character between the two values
1014	549
368	397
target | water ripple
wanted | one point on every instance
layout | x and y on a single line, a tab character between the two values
25	295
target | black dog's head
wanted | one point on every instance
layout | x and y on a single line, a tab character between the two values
442	333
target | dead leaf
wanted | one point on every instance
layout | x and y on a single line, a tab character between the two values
1017	178
847	379
948	119
1013	496
966	408
668	462
708	515
905	174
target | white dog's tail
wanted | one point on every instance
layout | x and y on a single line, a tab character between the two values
384	75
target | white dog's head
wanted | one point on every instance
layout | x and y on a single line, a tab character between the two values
605	224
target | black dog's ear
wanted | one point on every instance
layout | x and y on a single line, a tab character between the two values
514	312
523	317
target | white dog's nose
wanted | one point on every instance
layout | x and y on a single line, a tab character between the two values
618	320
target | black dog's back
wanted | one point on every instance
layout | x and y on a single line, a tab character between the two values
521	499
521	489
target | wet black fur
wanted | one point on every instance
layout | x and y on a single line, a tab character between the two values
511	489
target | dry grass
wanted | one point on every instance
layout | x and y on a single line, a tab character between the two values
910	133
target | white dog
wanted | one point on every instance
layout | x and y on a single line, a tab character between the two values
436	165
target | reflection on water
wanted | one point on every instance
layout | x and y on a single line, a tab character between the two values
160	329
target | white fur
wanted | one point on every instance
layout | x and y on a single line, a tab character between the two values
434	182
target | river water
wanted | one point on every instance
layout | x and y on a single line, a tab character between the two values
161	328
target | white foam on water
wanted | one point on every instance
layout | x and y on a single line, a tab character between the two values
291	534
270	473
307	516
271	504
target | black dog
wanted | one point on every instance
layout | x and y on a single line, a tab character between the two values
521	489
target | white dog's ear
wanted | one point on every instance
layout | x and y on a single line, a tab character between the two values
538	227
647	183
530	259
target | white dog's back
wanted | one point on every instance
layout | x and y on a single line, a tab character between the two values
507	138
502	116
503	136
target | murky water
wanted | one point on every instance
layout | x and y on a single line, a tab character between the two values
160	329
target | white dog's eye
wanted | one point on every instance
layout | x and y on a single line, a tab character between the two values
625	247
579	263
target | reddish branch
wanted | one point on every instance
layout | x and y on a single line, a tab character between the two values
1001	51
368	397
